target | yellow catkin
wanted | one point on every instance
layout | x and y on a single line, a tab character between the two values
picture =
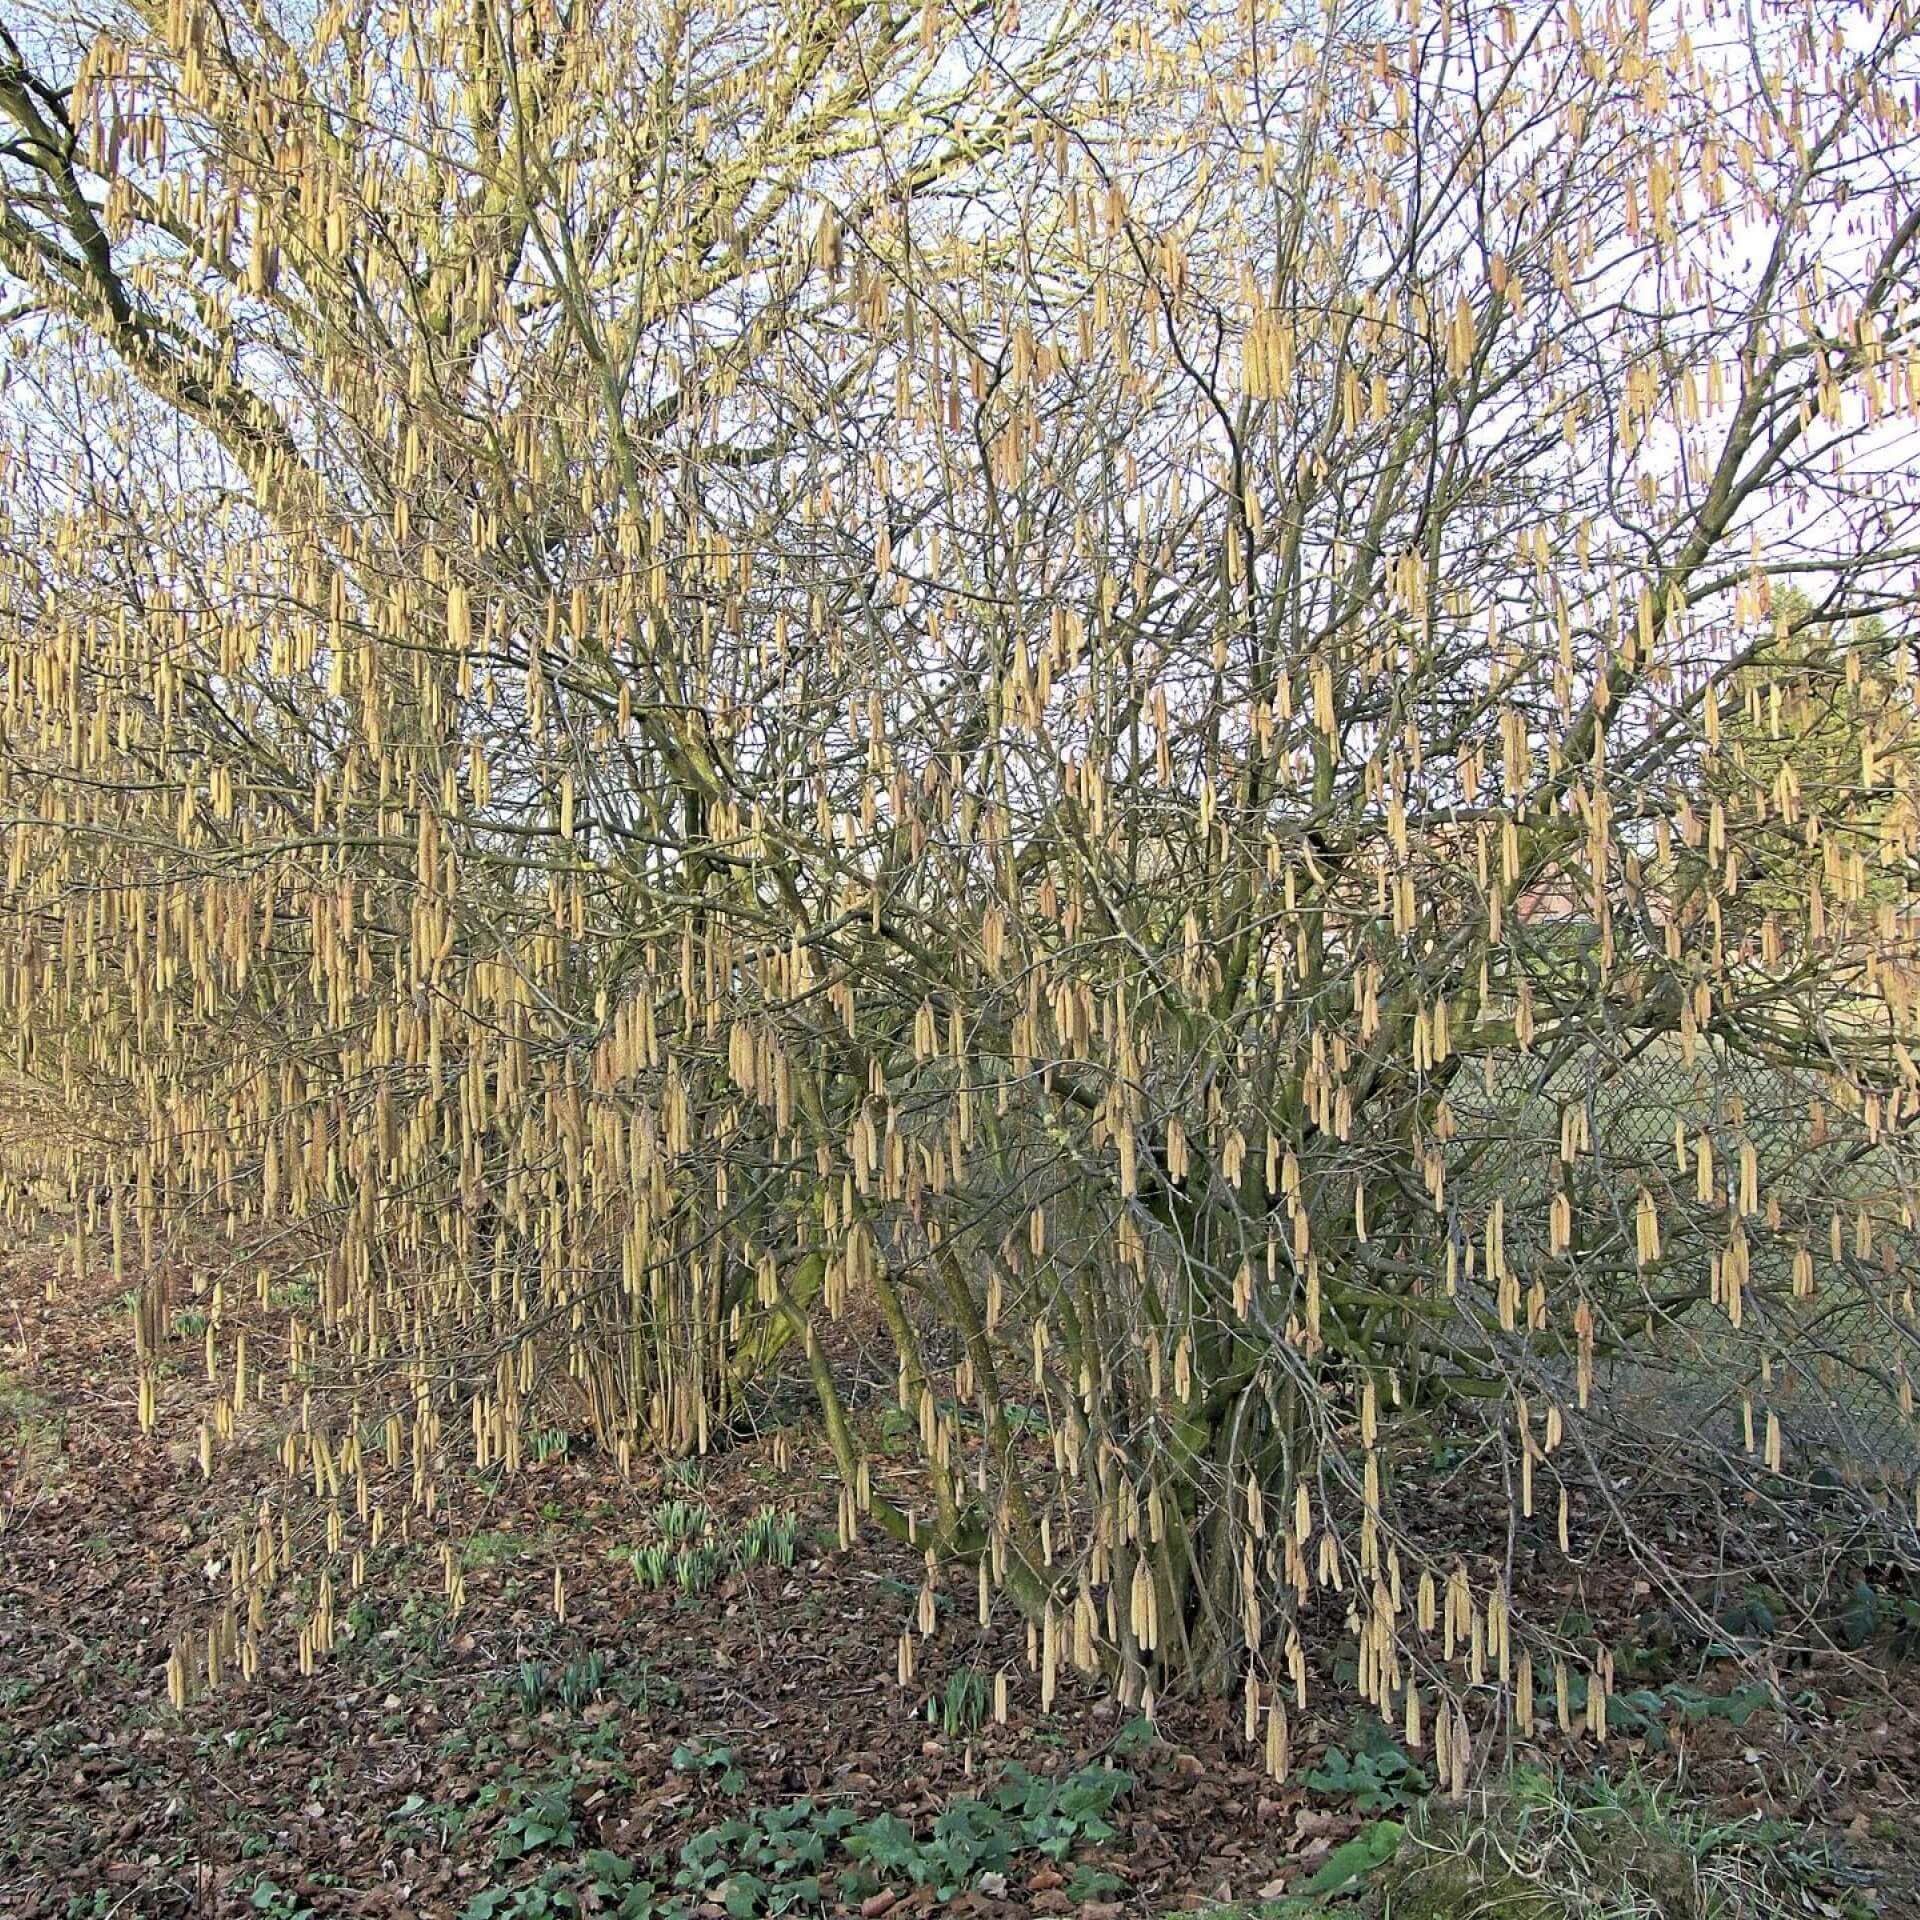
1279	1756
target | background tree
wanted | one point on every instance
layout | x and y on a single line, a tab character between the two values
1810	760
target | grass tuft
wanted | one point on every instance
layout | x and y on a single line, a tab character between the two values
1538	1848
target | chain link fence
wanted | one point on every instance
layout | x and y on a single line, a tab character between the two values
1833	1367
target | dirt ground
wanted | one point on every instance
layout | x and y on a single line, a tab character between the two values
389	1779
